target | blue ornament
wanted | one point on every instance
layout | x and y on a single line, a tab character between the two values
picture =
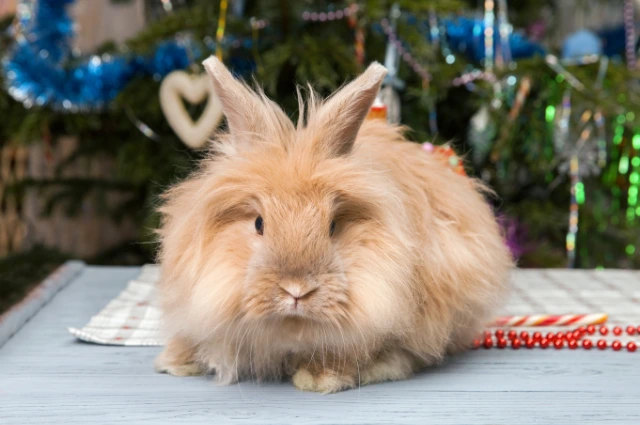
581	43
467	36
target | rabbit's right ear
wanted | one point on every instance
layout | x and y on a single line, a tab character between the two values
243	108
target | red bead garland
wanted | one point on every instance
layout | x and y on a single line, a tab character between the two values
559	340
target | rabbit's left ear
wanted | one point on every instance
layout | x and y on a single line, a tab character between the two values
244	109
340	118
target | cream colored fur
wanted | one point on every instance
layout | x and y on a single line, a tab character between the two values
414	269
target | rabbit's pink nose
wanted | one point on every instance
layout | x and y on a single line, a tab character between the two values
296	292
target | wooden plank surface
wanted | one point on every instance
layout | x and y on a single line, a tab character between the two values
19	314
47	377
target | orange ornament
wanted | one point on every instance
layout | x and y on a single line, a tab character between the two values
448	156
378	110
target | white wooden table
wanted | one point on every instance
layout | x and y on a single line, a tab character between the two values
47	377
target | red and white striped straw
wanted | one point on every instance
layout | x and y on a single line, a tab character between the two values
552	320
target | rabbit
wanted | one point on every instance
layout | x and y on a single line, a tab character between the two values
333	252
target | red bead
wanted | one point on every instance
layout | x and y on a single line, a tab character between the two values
488	343
631	330
551	336
573	344
617	330
577	334
487	334
502	343
530	343
515	344
602	344
476	344
604	330
537	336
587	344
582	329
560	335
499	333
617	345
631	347
558	343
524	335
591	329
544	343
638	329
512	334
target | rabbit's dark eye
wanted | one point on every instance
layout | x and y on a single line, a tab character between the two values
260	225
332	228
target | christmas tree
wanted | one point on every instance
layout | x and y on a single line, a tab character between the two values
551	127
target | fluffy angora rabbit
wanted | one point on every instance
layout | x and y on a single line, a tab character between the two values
332	251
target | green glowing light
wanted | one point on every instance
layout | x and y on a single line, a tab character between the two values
559	78
636	141
630	116
619	129
638	211
580	193
621	119
635	161
599	267
631	249
634	178
617	139
623	166
633	192
550	113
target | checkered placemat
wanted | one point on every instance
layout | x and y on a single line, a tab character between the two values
133	318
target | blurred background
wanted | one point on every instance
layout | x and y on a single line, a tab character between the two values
541	98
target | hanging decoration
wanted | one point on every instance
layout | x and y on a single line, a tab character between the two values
194	89
222	24
630	34
359	32
391	84
482	131
504	28
489	16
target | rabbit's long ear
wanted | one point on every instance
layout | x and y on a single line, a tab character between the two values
247	112
341	116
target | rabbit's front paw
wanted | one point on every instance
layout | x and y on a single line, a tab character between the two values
187	369
177	359
325	381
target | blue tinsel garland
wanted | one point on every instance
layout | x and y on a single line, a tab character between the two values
37	70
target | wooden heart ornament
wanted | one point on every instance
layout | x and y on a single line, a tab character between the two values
194	89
